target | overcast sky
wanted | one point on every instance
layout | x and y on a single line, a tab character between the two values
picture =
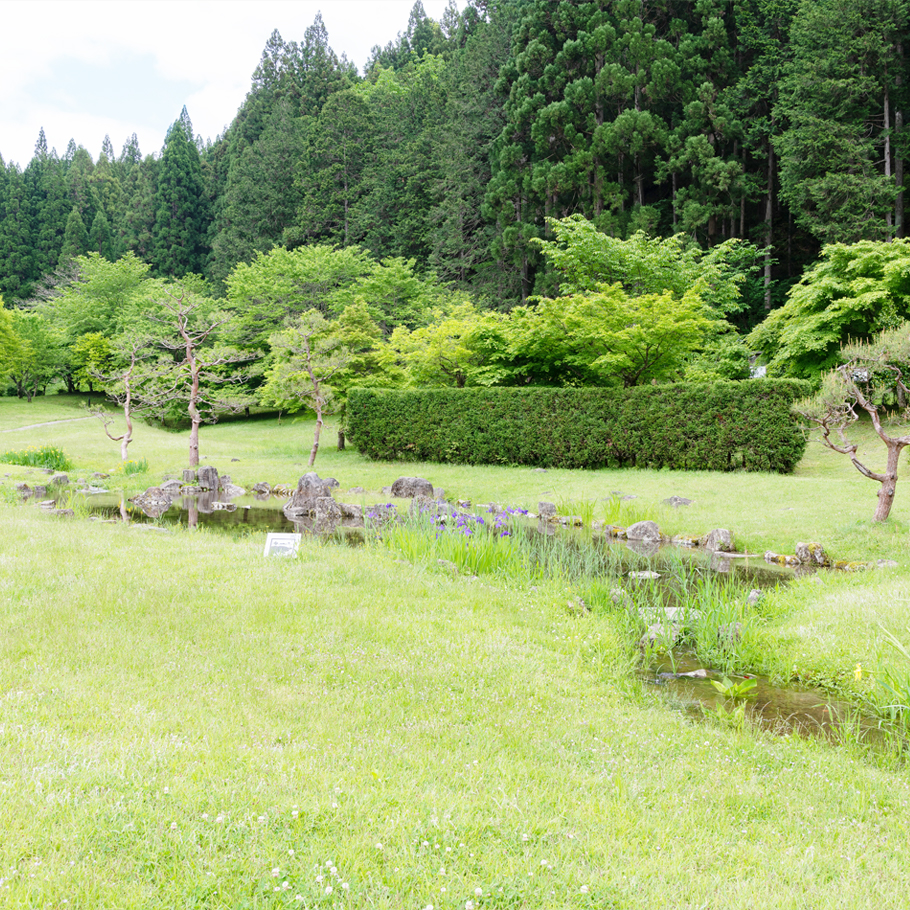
84	68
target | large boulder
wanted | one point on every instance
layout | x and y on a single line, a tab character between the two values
207	477
409	487
812	554
310	488
643	530
718	539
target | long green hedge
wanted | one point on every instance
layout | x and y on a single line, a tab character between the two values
717	426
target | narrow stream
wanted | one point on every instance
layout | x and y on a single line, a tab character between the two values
777	709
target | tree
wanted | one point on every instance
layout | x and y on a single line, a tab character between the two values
837	155
306	357
11	350
191	325
442	353
181	209
853	292
283	284
871	372
605	335
75	238
40	358
124	371
585	258
259	200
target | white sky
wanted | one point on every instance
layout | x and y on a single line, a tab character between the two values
84	68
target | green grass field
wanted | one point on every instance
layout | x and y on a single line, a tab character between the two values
186	724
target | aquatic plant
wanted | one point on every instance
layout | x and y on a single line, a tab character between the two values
731	689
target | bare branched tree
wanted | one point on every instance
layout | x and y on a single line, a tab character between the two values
871	382
122	385
199	378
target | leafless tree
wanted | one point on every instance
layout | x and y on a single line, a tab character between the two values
871	382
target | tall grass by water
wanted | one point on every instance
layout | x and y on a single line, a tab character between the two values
46	456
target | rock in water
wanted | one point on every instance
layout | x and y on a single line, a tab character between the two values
643	530
718	539
812	554
208	477
310	488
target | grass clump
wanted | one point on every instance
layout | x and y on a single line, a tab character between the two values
46	456
133	467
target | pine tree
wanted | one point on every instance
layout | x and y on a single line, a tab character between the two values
18	269
181	211
474	114
76	240
100	237
836	155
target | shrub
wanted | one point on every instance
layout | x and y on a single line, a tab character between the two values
719	426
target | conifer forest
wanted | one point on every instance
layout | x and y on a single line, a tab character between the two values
475	164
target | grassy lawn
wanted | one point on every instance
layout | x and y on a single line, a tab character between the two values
185	724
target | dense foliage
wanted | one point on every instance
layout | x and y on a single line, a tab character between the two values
765	120
706	426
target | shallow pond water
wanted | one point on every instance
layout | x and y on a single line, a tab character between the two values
778	709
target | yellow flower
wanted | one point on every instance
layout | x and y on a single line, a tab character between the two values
858	673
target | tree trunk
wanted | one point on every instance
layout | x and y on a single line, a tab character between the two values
316	434
769	224
887	107
341	441
194	437
674	201
898	158
886	493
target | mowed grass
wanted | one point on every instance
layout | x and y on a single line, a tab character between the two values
186	724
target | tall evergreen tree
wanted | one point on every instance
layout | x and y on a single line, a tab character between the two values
181	212
474	119
75	241
18	268
837	155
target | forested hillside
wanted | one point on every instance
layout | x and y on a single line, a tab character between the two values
772	120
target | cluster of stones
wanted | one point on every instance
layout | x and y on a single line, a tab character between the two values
313	499
57	480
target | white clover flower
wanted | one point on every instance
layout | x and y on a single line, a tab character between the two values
345	886
478	892
584	889
378	846
173	826
469	905
328	889
319	879
285	885
276	872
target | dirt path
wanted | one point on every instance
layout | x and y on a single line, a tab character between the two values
50	423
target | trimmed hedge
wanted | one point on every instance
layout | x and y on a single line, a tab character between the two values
713	426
